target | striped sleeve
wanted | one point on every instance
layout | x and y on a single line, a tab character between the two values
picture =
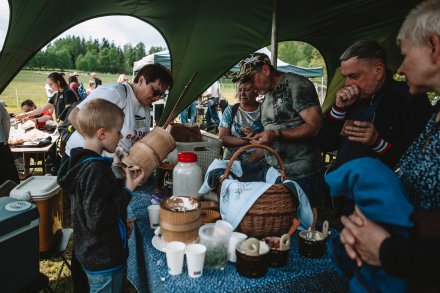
337	113
381	146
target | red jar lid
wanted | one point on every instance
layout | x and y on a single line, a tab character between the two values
187	157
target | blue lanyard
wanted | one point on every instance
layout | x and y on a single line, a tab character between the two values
108	160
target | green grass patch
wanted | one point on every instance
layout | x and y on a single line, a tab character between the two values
31	85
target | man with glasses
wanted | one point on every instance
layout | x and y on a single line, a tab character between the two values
291	116
150	84
135	99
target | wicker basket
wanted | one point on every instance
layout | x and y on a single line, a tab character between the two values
273	212
207	151
210	216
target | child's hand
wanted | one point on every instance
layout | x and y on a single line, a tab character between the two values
134	176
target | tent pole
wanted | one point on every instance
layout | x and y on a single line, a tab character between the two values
274	40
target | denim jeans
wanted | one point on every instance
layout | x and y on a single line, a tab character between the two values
311	185
106	282
211	112
189	114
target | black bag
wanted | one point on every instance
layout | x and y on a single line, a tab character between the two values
66	129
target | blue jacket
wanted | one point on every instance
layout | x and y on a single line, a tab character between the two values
379	194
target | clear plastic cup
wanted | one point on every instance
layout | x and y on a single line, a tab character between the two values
216	246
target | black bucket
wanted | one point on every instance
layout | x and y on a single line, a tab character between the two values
312	247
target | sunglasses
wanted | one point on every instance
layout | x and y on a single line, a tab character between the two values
157	93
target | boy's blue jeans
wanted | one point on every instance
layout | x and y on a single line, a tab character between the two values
108	282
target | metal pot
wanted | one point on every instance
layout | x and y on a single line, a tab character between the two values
312	246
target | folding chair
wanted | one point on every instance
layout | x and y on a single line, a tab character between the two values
57	250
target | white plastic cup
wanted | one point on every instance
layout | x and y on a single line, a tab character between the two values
235	239
153	215
195	257
175	251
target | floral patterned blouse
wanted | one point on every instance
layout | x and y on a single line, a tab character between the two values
420	168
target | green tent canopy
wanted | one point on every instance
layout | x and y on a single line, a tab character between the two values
208	36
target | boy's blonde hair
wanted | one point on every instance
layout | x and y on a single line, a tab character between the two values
98	114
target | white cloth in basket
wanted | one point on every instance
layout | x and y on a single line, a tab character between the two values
219	164
236	197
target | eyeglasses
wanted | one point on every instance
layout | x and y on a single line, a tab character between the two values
157	93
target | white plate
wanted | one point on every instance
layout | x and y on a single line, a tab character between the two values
17	206
158	243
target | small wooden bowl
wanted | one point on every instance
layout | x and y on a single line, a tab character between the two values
209	216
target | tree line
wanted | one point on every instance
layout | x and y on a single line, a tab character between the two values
73	52
76	53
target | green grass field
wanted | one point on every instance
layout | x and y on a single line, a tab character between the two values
30	85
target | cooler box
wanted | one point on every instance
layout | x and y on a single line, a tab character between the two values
47	195
19	255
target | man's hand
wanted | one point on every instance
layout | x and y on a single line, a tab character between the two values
346	96
266	137
363	132
362	238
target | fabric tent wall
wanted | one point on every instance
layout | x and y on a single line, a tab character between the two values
208	36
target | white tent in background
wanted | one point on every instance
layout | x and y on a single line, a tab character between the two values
162	57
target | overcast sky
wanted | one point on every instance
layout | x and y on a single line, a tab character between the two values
120	29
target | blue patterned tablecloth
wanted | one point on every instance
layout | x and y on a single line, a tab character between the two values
147	268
